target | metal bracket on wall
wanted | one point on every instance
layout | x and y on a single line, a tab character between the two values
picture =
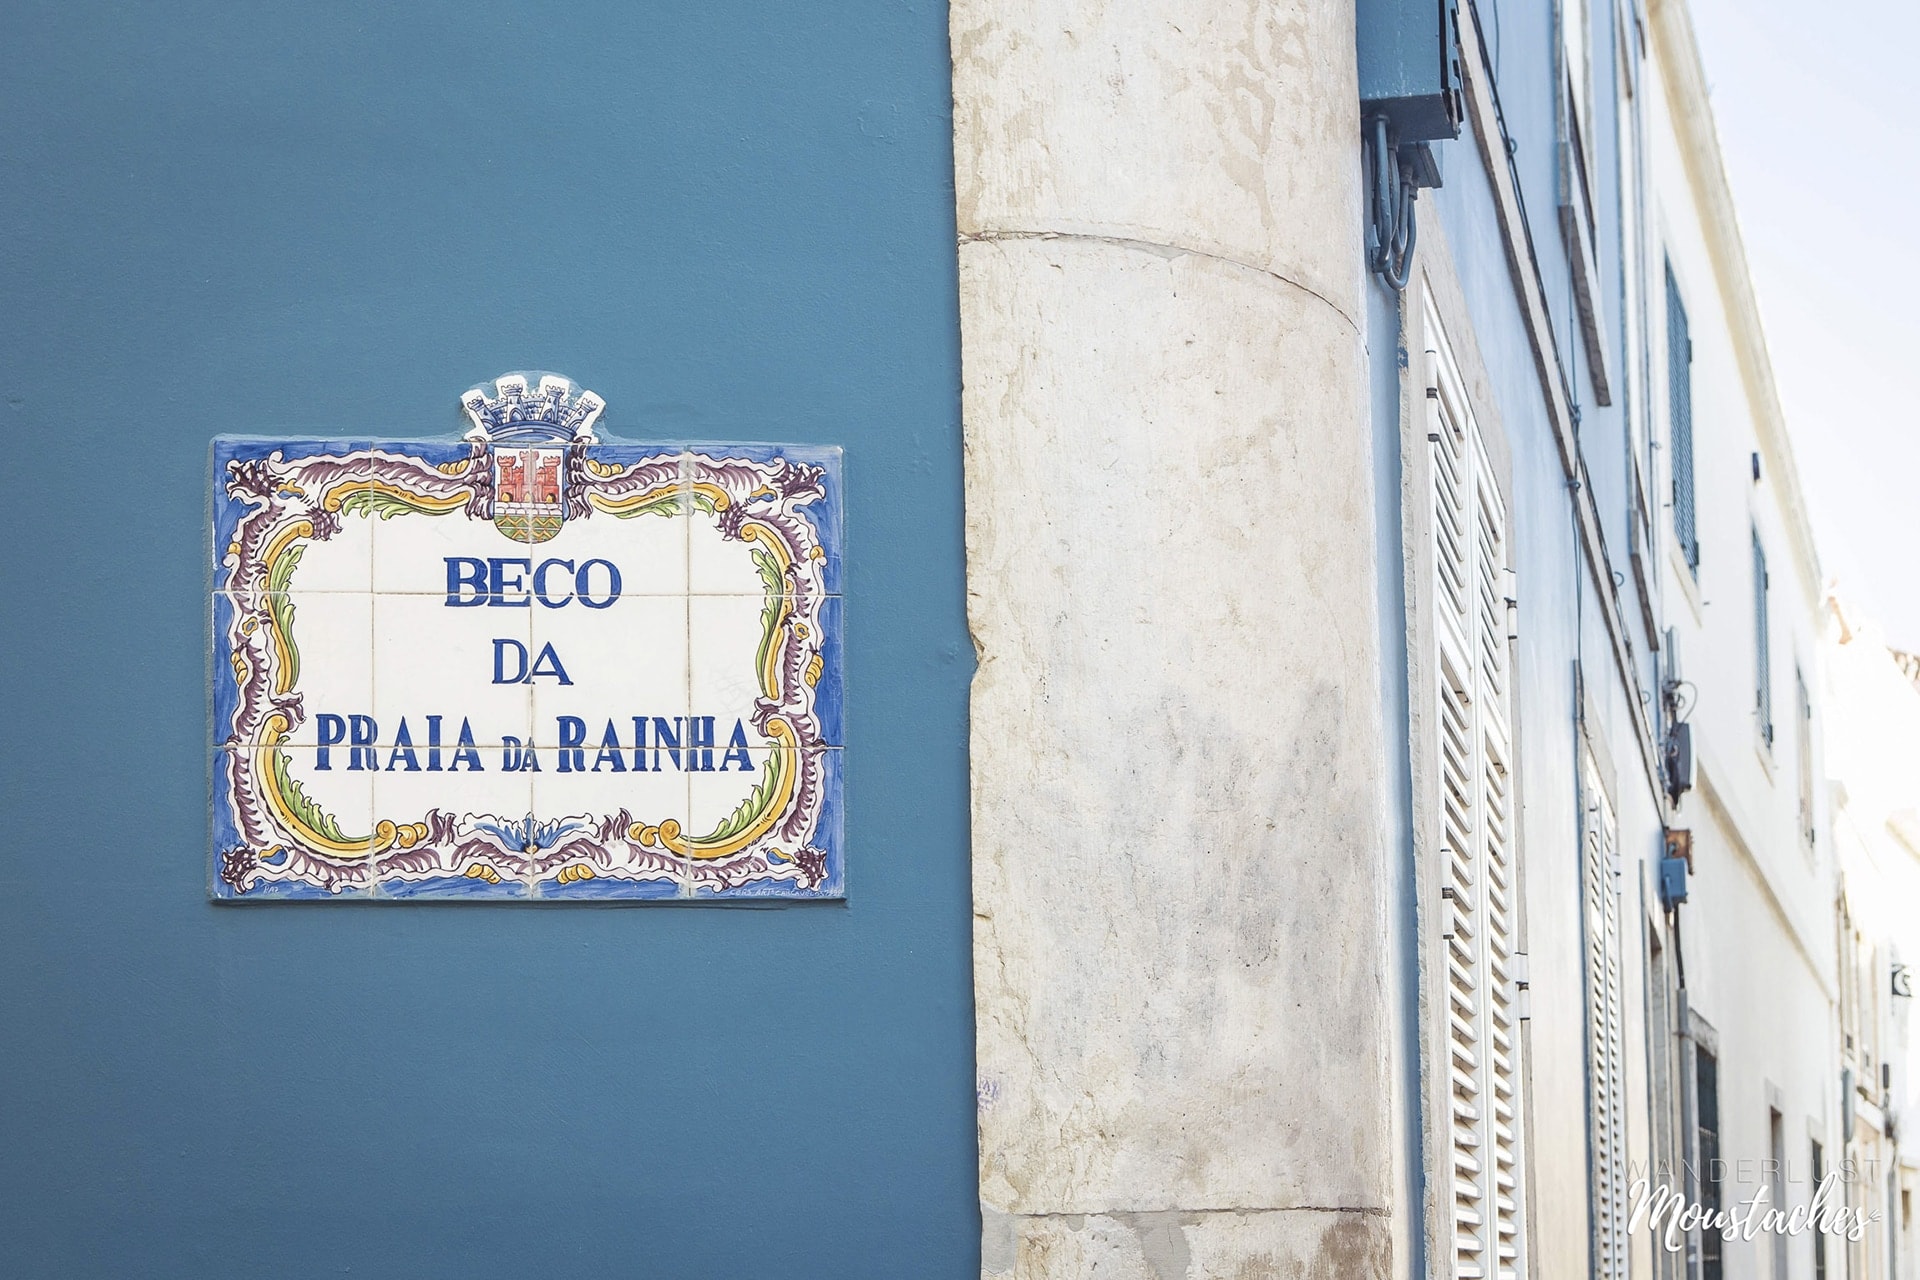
1399	172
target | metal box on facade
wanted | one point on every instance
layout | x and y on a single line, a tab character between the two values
1409	62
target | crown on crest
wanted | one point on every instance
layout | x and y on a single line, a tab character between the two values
520	411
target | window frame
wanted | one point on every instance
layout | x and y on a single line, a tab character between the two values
1435	319
1803	753
1707	1189
1604	963
1819	1170
1684	491
1578	191
1777	1182
1762	647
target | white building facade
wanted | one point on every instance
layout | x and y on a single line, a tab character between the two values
1753	979
1479	878
1873	708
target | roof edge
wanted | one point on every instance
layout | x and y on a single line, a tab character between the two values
1686	86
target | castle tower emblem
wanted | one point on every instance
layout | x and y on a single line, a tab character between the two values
532	435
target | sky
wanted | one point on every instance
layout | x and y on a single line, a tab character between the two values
1811	103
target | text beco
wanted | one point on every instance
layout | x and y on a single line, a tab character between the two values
515	582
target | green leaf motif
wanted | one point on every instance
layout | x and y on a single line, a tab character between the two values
667	504
280	606
296	797
769	570
770	615
754	805
283	567
378	502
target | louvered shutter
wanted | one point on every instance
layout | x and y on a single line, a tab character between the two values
1496	836
1680	422
1479	917
1606	1061
1762	645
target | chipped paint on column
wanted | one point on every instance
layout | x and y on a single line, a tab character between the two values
1178	844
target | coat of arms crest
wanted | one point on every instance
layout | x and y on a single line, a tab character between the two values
527	432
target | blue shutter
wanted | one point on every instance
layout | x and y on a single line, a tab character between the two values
1763	663
1680	416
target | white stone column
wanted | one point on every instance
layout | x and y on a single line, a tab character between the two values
1178	842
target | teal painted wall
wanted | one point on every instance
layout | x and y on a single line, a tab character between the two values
732	220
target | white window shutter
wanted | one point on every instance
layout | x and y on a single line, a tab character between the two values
1472	625
1606	1084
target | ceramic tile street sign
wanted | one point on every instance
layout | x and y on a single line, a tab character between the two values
530	663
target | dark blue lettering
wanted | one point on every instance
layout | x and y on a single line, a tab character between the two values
737	746
499	584
500	650
546	664
403	749
332	729
573	732
585	596
609	752
700	744
640	745
667	738
540	582
361	733
465	750
464	572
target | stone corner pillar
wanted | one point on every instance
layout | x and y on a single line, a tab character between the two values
1179	854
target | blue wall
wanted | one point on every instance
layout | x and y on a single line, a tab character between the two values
732	220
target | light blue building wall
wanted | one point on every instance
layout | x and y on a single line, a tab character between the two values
1564	640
